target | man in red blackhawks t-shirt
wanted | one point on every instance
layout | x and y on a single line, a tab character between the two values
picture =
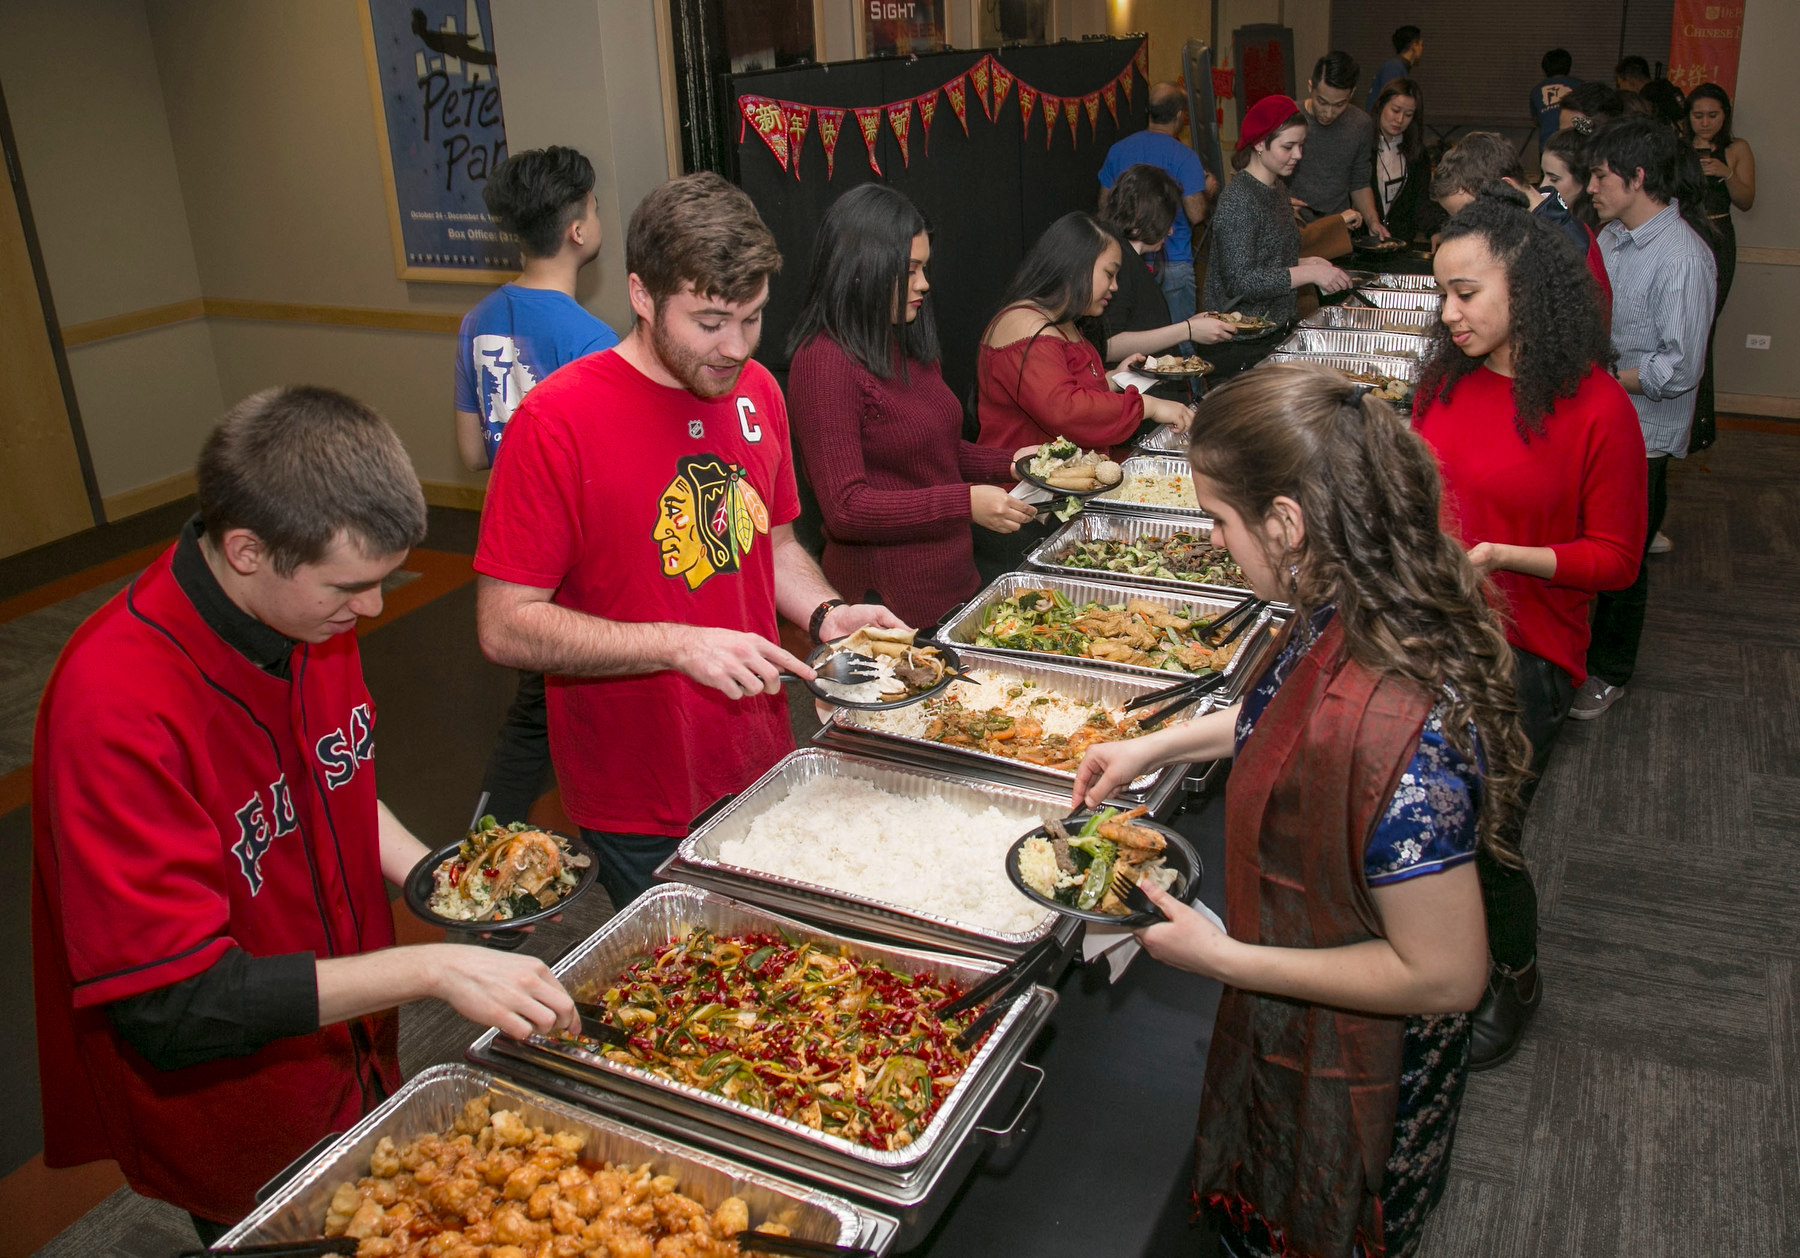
637	542
211	938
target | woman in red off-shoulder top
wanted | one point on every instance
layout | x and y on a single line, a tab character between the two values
1038	378
879	432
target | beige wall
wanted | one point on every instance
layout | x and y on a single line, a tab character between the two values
1169	23
1765	298
94	142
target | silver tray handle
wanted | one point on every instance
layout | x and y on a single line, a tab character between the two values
1002	1136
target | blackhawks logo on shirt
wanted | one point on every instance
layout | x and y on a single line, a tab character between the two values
707	519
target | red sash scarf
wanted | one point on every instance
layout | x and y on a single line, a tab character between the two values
1297	1116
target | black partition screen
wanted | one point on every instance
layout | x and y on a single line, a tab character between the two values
987	195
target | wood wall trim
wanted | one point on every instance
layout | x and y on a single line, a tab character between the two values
131	501
1768	257
133	321
1758	404
448	494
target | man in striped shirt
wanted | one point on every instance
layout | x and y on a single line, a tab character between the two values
1663	279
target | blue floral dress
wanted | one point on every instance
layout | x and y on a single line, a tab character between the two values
1429	826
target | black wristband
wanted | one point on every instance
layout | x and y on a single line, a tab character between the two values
818	617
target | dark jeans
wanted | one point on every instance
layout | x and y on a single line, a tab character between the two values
518	768
208	1231
999	553
1619	616
1507	893
627	862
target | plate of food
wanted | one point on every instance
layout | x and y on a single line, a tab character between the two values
906	669
1244	327
1067	470
1071	864
1375	244
1175	367
499	878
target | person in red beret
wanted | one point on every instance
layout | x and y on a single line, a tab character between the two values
1256	264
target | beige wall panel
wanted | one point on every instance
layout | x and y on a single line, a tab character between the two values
1766	300
87	109
407	376
1169	23
147	402
276	144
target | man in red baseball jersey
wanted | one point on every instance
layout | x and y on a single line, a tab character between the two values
212	943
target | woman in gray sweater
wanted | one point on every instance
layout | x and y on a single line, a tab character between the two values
1256	264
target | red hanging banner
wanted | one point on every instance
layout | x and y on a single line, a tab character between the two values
900	119
1141	59
1703	44
1028	98
1126	82
829	122
1003	81
798	118
869	120
1051	105
768	120
1110	94
1091	103
927	110
1071	109
957	90
978	75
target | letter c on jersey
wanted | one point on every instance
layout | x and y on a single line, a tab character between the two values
747	408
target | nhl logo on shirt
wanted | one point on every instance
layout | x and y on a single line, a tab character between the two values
696	428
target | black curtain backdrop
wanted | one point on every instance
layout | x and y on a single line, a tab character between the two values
987	195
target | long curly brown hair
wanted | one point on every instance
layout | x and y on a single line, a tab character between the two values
1410	603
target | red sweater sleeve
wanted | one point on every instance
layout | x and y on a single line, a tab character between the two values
1073	405
985	463
1614	500
828	395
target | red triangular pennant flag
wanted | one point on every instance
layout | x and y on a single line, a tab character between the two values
900	119
1091	103
870	122
927	109
1051	104
1028	96
1125	84
978	75
1110	94
1071	108
1141	59
766	117
829	122
1003	81
798	119
957	90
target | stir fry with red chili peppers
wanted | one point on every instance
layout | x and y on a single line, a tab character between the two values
846	1046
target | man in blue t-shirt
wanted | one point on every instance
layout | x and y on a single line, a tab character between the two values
513	338
1546	97
1409	50
1157	146
523	331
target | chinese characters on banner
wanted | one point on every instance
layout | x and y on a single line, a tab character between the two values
1703	43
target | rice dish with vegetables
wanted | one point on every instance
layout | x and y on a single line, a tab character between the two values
1156	491
922	854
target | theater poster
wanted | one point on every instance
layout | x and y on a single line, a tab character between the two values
435	83
1703	43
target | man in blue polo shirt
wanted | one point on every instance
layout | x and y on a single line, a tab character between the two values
1158	146
513	338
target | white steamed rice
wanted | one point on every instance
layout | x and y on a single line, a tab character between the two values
923	854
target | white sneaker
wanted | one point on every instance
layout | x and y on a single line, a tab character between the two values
1661	545
1594	697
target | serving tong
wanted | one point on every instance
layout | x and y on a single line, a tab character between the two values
847	668
597	1024
1000	987
281	1249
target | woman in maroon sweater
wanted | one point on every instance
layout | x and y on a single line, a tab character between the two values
1543	467
880	433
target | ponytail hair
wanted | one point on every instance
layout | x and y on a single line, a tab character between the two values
1410	603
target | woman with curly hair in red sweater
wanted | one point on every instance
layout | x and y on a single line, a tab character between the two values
1543	466
880	433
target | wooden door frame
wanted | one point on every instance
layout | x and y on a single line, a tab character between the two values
15	175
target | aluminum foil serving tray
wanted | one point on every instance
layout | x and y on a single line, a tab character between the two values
697	861
1354	342
1406	282
1416	322
1149	465
1402	298
672	910
1094	526
431	1102
1406	369
964	624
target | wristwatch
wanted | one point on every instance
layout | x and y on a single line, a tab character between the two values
818	617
